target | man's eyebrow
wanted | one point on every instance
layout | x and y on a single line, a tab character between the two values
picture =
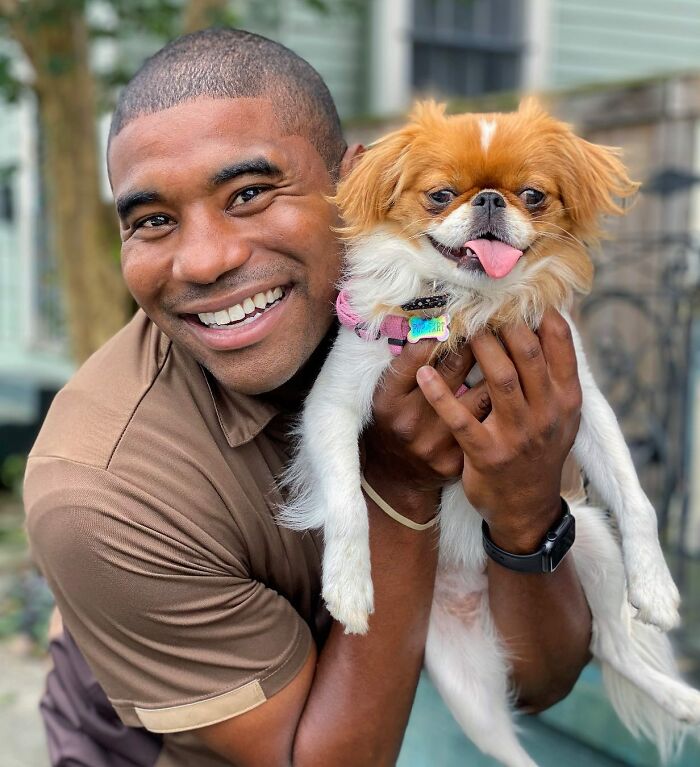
127	202
258	166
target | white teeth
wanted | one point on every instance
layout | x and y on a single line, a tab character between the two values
236	313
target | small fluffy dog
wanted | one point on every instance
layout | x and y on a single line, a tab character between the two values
488	216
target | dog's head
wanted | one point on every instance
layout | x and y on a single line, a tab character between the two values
485	201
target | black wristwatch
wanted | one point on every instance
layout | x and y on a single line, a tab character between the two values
547	558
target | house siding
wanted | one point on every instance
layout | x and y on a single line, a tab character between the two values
597	41
333	42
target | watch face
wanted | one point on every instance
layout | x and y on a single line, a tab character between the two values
558	542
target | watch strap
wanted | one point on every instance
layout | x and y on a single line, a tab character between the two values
546	559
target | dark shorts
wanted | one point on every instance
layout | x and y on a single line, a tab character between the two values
82	728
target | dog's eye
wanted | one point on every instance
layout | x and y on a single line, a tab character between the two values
531	197
442	196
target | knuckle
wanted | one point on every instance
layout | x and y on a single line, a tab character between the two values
404	428
482	404
573	399
501	461
532	352
524	444
460	424
451	363
561	330
451	466
506	381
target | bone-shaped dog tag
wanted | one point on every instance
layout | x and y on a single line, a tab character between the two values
428	327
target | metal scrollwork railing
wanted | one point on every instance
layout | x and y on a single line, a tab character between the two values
637	326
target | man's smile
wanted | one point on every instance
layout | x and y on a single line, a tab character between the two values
240	311
244	323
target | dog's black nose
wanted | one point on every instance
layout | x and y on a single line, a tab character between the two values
490	201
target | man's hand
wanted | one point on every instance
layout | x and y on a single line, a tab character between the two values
513	459
408	445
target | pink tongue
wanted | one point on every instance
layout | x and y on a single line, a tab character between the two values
497	258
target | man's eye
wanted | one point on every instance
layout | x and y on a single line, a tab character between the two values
153	222
247	195
442	196
532	197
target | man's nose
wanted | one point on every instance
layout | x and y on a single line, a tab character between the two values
210	248
490	201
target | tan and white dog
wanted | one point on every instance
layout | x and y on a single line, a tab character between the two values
494	212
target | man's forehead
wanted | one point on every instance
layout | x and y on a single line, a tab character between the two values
201	133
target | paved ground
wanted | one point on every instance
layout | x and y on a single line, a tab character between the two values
21	683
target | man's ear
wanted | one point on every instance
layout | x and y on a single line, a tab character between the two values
372	182
594	183
351	156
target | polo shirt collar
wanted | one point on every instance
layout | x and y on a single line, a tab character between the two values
241	416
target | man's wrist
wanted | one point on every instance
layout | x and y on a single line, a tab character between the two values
417	502
526	536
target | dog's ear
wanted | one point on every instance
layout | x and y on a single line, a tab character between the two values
429	114
593	182
366	194
531	107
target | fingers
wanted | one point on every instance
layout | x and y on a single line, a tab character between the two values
558	347
455	366
525	350
559	351
463	424
401	379
501	377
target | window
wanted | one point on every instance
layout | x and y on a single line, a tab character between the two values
467	47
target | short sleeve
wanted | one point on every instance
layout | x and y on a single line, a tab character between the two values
168	618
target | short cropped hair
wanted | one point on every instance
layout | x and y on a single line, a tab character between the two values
232	63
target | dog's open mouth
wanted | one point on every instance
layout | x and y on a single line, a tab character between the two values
487	254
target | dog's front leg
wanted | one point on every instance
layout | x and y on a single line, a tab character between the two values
325	475
603	454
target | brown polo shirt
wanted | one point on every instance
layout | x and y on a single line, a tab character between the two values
150	496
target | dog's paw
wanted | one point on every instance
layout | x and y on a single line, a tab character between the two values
347	586
653	593
684	704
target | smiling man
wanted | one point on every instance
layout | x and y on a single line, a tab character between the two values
151	490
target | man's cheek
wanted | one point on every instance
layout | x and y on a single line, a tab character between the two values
143	275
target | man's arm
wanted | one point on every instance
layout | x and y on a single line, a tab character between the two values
350	706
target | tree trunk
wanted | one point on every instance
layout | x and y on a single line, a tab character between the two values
55	38
200	14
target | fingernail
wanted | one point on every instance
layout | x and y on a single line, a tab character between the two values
424	374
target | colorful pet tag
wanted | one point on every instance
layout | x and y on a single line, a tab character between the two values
428	327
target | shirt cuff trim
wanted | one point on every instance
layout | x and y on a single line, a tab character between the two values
202	713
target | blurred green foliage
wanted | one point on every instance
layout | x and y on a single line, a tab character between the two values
117	20
12	473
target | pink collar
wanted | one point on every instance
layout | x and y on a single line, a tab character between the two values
394	327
